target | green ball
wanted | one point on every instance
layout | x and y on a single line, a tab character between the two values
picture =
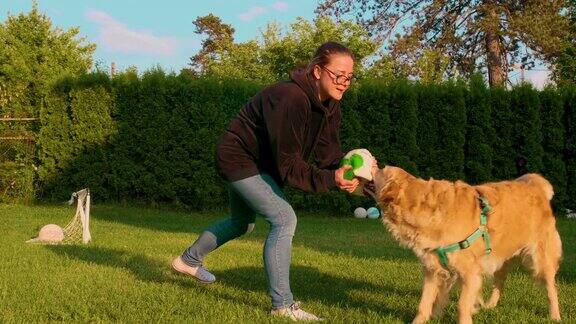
356	162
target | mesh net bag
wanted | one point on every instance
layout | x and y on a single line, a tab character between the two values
77	230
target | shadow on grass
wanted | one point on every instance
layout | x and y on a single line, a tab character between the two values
142	267
154	219
336	236
356	238
567	272
309	284
567	230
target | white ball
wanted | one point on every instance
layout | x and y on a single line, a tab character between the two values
360	212
51	233
373	212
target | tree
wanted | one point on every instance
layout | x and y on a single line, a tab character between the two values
432	66
565	65
219	37
277	52
283	52
385	69
221	57
33	55
474	33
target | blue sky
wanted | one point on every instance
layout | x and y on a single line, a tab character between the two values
149	33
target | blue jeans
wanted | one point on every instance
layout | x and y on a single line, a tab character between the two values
256	195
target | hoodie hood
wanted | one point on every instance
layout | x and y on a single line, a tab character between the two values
305	82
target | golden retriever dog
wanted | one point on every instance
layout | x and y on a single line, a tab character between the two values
425	215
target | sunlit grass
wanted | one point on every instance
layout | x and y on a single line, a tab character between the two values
345	270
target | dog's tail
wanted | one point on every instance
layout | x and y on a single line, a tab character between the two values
539	181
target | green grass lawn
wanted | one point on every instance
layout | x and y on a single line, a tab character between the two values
345	270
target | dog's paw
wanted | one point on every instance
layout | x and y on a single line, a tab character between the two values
479	304
492	302
490	305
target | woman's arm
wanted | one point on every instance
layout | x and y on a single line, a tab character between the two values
286	118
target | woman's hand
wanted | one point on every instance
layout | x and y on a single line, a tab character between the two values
343	184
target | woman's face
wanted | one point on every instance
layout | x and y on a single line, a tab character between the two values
334	78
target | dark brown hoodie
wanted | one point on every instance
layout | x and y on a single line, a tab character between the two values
278	131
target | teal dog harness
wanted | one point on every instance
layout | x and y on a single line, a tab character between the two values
481	231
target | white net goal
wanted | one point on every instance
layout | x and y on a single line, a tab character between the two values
77	230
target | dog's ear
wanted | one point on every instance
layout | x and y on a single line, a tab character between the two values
490	193
394	172
399	175
387	186
389	192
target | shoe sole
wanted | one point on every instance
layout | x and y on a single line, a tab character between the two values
192	276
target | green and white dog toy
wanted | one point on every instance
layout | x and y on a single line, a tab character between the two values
361	161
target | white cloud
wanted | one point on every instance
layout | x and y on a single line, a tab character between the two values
259	11
539	78
116	36
280	6
252	13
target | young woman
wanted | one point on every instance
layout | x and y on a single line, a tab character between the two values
268	146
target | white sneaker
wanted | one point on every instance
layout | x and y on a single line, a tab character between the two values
198	273
295	313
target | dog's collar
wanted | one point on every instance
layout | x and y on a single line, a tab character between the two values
481	231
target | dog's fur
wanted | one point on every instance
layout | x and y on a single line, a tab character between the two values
426	214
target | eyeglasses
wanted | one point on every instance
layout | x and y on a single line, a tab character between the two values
340	79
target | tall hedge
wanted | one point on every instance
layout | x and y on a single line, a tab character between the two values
527	130
428	132
570	145
553	166
76	125
149	138
375	124
152	138
403	112
503	165
442	130
480	135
